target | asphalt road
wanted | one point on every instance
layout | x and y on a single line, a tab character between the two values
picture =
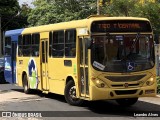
13	99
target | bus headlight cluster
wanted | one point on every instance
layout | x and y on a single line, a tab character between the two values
150	81
99	83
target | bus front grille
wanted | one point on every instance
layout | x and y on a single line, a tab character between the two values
122	85
125	78
125	92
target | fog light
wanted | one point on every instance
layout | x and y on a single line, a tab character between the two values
111	94
102	85
150	81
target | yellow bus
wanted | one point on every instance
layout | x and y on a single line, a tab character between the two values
97	58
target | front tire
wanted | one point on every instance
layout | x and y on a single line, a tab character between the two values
127	101
70	94
25	85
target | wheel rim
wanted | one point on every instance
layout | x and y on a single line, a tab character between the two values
72	92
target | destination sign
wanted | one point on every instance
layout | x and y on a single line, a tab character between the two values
120	26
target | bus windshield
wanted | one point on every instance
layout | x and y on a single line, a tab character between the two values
122	53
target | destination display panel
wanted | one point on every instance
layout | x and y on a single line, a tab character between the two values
120	26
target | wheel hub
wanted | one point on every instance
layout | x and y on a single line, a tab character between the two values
72	92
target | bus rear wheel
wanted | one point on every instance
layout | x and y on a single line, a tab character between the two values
25	85
70	94
127	101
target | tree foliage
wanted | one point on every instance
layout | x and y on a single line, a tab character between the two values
10	15
136	9
152	12
121	7
54	11
8	8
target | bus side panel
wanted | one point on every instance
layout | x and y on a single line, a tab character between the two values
8	70
57	75
21	65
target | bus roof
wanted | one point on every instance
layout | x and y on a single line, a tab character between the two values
56	26
75	24
13	32
103	17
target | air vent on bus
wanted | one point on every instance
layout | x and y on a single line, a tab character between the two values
122	85
125	78
125	92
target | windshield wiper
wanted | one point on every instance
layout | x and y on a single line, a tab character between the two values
135	41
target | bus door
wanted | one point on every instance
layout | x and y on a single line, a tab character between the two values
44	64
83	67
13	60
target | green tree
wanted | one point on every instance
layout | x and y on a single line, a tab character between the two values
152	12
134	8
8	9
120	7
12	15
23	16
54	11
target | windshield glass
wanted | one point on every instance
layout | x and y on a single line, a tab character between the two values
122	53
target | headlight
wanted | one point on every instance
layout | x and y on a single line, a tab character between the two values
150	81
99	83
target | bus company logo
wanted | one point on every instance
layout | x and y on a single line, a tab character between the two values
126	85
33	74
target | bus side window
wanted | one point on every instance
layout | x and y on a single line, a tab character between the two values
8	46
35	45
20	46
58	44
70	43
27	45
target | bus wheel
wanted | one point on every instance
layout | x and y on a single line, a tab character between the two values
70	94
25	85
127	101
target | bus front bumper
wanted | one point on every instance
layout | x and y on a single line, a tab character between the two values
110	93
